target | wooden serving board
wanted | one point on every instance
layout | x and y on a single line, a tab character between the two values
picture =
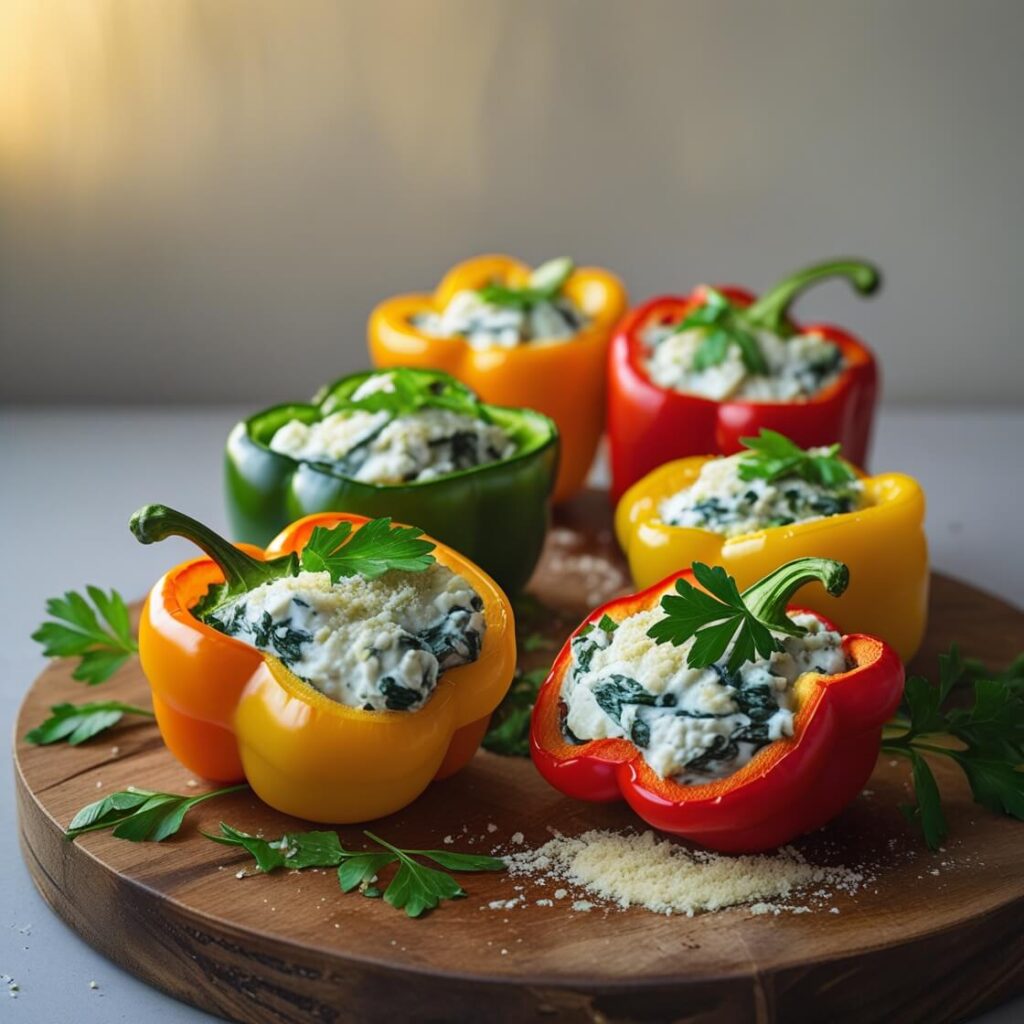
934	937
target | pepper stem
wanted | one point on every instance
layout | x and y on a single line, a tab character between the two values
766	600
771	310
153	523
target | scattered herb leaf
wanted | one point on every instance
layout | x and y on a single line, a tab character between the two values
77	723
771	455
509	731
76	632
140	814
295	850
414	887
536	642
985	738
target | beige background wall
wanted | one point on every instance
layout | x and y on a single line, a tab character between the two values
200	199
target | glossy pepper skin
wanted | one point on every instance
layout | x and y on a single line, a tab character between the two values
562	379
883	543
789	787
229	712
649	425
495	514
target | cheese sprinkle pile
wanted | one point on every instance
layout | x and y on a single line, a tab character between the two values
645	870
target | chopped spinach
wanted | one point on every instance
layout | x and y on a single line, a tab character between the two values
398	697
613	695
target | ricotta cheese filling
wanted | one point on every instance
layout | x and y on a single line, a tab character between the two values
799	367
381	448
372	644
486	325
691	725
721	501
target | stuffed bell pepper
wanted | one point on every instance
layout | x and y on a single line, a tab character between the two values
775	501
718	715
414	444
520	337
338	672
691	375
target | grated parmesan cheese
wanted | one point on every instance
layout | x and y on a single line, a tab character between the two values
663	876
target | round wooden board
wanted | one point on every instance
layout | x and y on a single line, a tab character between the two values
933	937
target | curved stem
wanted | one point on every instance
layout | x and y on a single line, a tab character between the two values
153	523
767	599
771	310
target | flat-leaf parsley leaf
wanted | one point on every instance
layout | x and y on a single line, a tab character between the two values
76	632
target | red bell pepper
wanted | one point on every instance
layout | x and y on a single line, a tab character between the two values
789	787
649	425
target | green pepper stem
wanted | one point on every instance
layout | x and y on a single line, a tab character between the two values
771	310
153	523
766	600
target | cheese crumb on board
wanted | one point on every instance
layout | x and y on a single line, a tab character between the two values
660	875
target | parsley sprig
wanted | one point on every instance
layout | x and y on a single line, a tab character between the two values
140	815
415	887
771	456
77	632
376	548
719	615
509	731
544	284
726	324
985	739
410	391
722	325
76	723
370	552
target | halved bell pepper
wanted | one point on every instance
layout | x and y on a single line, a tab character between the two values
229	712
883	543
649	424
495	514
789	787
562	379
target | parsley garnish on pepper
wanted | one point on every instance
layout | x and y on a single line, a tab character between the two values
722	325
985	738
544	284
370	552
719	615
376	548
771	455
413	390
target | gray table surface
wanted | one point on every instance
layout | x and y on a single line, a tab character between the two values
73	476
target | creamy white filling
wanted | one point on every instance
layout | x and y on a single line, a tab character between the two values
376	447
371	644
799	367
691	725
485	325
720	501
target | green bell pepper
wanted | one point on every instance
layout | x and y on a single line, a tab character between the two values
496	514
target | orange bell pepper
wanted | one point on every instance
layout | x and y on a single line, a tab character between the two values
565	380
228	711
883	543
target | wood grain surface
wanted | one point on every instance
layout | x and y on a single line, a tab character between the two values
933	937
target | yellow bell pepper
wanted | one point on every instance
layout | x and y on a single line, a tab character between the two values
883	543
565	380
